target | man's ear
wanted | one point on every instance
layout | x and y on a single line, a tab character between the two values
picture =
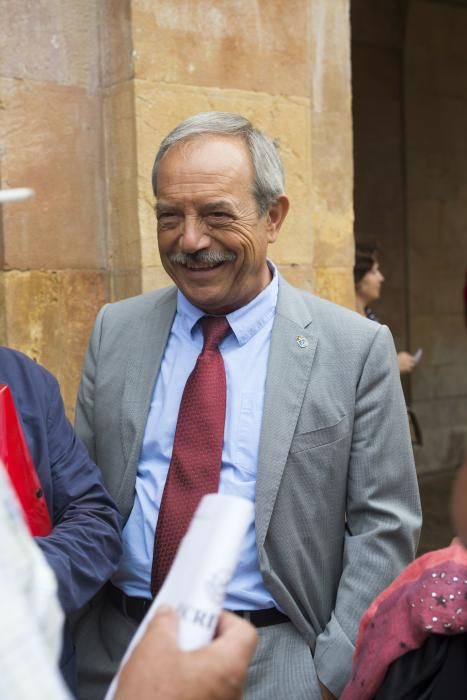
276	215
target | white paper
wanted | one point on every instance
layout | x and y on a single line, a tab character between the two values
203	567
15	194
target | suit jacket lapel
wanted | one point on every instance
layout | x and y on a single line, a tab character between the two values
290	359
149	338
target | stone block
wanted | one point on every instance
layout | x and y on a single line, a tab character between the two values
378	137
329	56
49	316
425	222
124	284
332	201
116	46
50	41
438	56
450	381
154	277
378	22
260	46
335	284
423	380
423	265
450	340
428	174
443	423
448	290
299	275
159	108
443	448
376	72
453	225
51	137
423	335
123	241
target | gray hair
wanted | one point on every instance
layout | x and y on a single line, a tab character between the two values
268	179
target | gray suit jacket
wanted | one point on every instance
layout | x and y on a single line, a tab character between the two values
337	505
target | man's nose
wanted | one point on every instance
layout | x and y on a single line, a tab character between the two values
194	236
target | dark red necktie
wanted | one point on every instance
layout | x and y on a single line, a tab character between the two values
197	450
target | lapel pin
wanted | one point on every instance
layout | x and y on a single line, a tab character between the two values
301	341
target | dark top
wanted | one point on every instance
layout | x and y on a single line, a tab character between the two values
84	546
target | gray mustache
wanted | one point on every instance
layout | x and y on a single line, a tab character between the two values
205	257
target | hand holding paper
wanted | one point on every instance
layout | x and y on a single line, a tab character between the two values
205	562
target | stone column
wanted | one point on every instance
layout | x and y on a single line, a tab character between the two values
87	91
286	66
67	130
53	273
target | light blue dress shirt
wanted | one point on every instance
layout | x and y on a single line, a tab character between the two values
245	352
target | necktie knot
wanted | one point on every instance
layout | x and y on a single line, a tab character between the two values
214	328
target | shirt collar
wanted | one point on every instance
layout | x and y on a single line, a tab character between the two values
244	322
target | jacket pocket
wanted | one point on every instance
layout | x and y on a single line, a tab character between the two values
321	436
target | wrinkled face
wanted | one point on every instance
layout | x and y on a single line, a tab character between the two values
212	242
369	287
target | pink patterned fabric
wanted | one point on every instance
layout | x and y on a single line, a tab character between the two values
197	451
429	597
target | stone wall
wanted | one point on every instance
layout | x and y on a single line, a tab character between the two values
378	113
436	118
288	69
410	156
87	90
64	123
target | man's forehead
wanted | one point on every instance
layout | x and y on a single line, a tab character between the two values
217	151
206	167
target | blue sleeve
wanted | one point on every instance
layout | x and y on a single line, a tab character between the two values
84	546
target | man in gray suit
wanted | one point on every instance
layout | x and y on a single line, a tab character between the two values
315	432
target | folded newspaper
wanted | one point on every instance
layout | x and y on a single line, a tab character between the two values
203	567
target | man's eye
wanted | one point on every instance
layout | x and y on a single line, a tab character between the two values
218	216
167	219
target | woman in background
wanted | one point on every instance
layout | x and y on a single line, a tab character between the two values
368	279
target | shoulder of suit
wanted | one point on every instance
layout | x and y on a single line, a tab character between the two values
142	303
325	314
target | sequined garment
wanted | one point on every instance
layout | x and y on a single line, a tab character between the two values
429	597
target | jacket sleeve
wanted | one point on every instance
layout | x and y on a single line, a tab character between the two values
84	546
383	515
84	415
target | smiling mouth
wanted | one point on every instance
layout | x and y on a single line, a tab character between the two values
202	266
202	260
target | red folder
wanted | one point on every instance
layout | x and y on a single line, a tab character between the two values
15	455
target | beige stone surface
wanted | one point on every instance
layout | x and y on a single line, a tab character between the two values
300	275
329	60
261	45
154	277
51	137
160	108
115	41
49	316
335	284
50	41
123	239
124	284
332	205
